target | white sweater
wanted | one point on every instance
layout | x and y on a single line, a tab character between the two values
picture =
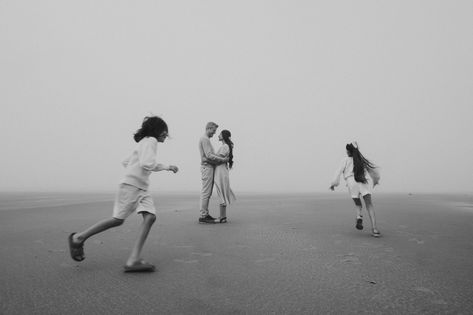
141	162
346	168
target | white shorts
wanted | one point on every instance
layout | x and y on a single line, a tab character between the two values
130	198
356	189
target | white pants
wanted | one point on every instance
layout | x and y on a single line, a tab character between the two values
207	172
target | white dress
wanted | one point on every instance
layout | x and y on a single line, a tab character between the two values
355	188
222	179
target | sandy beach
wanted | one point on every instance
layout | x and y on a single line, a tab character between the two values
279	254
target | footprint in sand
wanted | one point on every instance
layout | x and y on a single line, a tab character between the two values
56	250
371	245
350	258
405	233
416	240
192	261
353	260
242	246
428	291
424	290
263	260
330	265
202	254
310	248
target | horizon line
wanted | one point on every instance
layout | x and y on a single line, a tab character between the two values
245	192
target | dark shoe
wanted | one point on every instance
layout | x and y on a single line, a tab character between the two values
223	220
359	224
207	219
210	217
76	250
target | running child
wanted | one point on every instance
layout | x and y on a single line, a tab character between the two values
361	176
132	194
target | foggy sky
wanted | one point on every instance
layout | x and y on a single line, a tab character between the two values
294	81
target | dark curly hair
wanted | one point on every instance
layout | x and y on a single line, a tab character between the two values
226	138
152	126
360	163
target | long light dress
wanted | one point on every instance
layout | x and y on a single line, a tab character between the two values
222	178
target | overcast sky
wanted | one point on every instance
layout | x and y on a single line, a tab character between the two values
294	81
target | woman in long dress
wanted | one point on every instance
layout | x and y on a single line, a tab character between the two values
221	177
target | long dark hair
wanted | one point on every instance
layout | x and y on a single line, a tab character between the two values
226	138
152	126
360	163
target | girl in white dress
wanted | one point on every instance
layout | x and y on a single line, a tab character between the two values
361	176
221	177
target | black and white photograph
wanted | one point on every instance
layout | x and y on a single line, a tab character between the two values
236	157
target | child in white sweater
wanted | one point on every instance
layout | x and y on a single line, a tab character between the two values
132	194
361	175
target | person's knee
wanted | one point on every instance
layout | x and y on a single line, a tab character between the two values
206	193
118	222
149	218
205	198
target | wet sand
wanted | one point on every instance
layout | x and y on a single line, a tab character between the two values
282	254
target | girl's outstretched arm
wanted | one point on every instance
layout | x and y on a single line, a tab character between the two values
148	158
336	179
164	167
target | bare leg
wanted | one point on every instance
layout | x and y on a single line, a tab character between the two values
223	213
369	208
148	220
359	217
359	207
96	228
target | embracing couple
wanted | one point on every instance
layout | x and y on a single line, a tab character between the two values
214	169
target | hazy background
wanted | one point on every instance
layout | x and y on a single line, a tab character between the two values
292	80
